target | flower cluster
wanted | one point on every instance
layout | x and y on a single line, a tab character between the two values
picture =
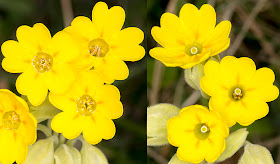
238	91
74	68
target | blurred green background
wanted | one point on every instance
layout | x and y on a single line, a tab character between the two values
129	143
255	33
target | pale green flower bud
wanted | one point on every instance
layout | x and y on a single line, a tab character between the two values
233	143
91	154
255	154
44	111
42	151
194	74
176	160
157	117
67	155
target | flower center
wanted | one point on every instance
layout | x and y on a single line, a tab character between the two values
237	94
86	105
11	120
204	129
42	62
98	48
201	131
193	48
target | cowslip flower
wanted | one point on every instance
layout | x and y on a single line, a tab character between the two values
190	38
88	107
104	45
238	91
42	60
17	128
199	133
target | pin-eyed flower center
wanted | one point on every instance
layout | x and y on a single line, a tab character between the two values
86	105
193	48
237	94
201	131
98	48
42	62
11	120
204	129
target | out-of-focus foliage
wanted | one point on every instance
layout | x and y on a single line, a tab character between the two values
129	143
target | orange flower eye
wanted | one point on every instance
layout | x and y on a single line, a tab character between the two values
237	94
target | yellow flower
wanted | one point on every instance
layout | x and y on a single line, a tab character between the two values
238	91
42	59
88	107
104	45
190	38
17	128
199	133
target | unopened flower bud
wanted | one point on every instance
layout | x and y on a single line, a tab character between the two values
233	143
42	151
255	154
91	154
67	155
157	117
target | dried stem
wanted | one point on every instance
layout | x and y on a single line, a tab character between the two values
156	156
67	12
258	7
192	99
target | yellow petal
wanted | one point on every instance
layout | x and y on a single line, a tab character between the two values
247	69
189	16
114	21
111	68
37	93
170	57
251	110
106	126
14	65
127	36
194	153
263	76
210	82
63	48
89	82
217	39
64	102
207	21
92	134
82	28
28	128
166	38
107	93
23	81
129	53
34	38
59	78
111	109
12	49
215	145
70	124
196	59
99	16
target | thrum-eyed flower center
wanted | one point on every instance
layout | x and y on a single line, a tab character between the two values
42	62
98	48
193	48
11	120
237	94
86	105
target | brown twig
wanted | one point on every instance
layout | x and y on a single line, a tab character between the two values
156	156
192	99
234	47
179	91
67	12
270	144
158	67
